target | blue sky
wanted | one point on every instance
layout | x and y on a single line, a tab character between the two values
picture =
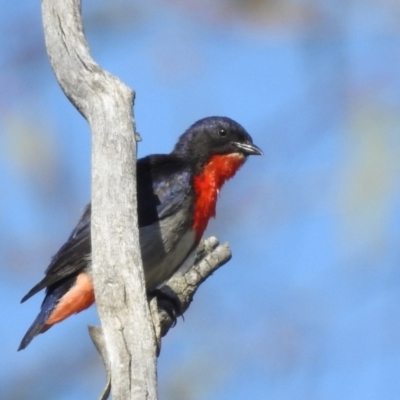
308	306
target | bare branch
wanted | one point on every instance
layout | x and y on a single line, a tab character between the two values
117	272
210	257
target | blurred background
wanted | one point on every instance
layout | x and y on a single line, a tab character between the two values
308	308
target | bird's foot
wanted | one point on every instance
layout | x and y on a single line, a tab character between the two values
168	301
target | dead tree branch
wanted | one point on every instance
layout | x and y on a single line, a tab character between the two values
106	103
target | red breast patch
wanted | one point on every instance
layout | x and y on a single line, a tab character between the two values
207	184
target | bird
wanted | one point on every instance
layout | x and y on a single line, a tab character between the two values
176	197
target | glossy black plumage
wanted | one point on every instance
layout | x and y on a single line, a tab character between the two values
166	201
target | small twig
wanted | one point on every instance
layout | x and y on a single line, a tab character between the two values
210	257
97	336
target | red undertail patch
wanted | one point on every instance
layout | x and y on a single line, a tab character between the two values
216	172
77	299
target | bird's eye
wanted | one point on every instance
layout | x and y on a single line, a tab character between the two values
222	132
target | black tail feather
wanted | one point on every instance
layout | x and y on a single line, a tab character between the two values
52	297
34	330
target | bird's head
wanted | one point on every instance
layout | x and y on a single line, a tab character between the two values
213	136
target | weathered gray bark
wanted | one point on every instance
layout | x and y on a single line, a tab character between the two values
130	336
106	103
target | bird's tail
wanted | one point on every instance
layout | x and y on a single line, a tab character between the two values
50	302
37	327
68	297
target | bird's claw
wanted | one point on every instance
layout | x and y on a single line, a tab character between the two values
169	302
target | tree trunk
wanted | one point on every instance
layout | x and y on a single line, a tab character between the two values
106	103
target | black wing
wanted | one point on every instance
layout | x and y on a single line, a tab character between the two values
163	185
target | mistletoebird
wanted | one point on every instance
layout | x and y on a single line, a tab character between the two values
177	195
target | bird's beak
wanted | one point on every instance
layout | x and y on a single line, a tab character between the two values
248	149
